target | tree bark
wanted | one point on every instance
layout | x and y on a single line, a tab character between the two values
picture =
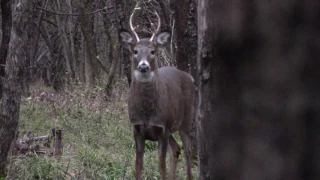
55	66
123	9
61	25
16	59
112	73
258	111
72	29
6	29
113	53
91	65
186	31
35	49
185	13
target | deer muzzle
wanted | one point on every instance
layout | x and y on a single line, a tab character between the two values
144	66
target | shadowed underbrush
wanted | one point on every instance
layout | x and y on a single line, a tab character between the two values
97	137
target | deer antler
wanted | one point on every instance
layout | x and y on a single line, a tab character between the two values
158	28
131	26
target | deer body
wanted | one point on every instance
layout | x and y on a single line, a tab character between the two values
164	102
161	102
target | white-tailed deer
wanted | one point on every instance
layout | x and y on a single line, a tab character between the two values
161	101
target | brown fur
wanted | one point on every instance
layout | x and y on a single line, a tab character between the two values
159	106
166	102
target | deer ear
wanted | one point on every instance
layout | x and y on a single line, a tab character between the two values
163	38
125	37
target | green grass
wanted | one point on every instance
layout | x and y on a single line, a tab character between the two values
97	137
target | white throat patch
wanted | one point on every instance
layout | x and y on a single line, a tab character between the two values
143	77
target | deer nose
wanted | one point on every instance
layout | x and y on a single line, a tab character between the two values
143	67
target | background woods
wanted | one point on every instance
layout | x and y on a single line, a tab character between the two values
61	62
78	40
64	78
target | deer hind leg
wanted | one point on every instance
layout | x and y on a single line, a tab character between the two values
163	146
185	138
174	156
140	143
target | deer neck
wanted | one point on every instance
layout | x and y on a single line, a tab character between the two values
146	91
144	85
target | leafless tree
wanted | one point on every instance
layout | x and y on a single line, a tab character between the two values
12	89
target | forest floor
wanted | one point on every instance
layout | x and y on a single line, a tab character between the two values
97	138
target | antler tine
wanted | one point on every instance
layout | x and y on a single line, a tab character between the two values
131	26
158	28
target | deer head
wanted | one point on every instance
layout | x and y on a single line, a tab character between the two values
144	51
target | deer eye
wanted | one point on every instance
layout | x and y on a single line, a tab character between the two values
135	52
152	52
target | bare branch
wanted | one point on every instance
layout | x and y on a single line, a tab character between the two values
158	28
57	13
70	14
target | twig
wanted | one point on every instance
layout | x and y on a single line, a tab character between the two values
57	13
71	14
96	11
39	138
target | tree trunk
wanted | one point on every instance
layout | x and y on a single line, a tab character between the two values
72	29
16	59
123	9
92	66
113	54
55	66
35	49
6	29
61	23
186	32
112	73
258	111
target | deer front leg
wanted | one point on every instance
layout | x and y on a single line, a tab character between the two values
163	146
140	142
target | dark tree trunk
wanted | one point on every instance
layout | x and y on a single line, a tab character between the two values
113	55
181	9
258	88
66	49
35	50
185	16
112	73
123	11
6	29
16	59
125	56
186	31
58	70
55	65
92	66
111	19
